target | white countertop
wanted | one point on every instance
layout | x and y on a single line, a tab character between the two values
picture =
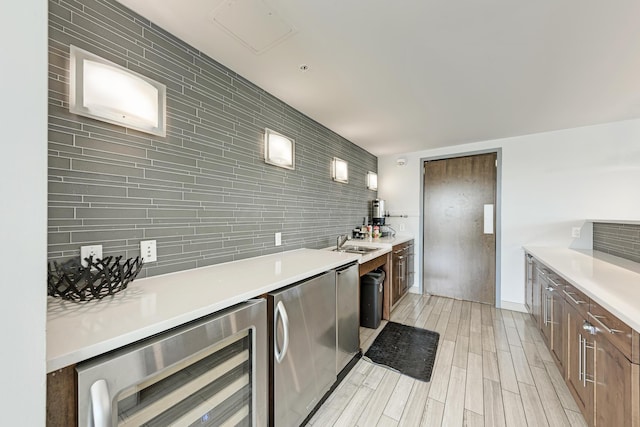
79	331
612	282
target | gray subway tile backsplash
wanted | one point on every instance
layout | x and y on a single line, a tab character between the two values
203	191
622	240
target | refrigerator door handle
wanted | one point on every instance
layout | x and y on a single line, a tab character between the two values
281	311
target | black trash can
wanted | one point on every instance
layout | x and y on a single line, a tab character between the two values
371	287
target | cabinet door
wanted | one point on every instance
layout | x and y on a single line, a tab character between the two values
410	264
547	312
395	277
614	394
528	282
558	328
578	362
536	296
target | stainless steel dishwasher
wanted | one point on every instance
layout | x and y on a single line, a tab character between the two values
348	306
302	321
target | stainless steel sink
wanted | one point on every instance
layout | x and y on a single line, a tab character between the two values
356	249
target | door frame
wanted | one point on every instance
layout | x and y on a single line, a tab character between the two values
498	211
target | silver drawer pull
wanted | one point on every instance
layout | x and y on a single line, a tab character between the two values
549	289
541	272
570	296
552	282
606	328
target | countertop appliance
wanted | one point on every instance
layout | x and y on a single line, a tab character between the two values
377	212
348	324
209	372
302	348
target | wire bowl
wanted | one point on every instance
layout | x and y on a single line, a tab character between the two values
101	277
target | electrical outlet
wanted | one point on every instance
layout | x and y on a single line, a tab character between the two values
94	251
278	239
148	251
575	232
401	227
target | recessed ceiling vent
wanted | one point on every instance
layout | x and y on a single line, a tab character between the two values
253	23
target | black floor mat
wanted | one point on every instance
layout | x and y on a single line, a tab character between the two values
408	350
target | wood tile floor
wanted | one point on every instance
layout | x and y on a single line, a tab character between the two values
492	369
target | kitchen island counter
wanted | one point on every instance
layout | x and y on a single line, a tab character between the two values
612	282
79	331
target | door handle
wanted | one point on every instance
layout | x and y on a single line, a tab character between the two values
488	219
100	405
281	312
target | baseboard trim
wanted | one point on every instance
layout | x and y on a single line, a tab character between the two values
513	306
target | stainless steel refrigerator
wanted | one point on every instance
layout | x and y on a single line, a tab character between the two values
303	347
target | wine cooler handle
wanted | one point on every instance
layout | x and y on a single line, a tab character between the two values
100	405
281	311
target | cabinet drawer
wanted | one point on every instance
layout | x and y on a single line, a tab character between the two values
614	329
576	298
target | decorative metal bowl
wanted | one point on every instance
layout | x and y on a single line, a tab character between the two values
100	278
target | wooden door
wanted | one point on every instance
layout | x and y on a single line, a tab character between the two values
459	251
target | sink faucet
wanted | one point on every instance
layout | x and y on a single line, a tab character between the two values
341	240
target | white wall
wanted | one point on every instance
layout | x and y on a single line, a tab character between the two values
23	213
550	182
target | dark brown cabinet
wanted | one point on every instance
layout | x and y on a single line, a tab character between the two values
597	352
536	294
402	273
579	364
547	309
558	326
528	282
615	379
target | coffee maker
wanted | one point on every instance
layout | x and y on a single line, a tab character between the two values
377	212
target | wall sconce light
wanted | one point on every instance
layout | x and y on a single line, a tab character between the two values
340	170
102	90
279	150
372	181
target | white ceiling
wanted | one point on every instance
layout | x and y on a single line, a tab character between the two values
408	75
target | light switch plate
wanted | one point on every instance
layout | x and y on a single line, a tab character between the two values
148	251
94	251
278	239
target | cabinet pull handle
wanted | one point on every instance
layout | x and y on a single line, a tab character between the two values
549	288
579	357
585	378
555	285
541	272
606	328
570	296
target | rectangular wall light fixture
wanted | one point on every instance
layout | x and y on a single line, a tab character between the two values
279	150
105	91
372	180
340	170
